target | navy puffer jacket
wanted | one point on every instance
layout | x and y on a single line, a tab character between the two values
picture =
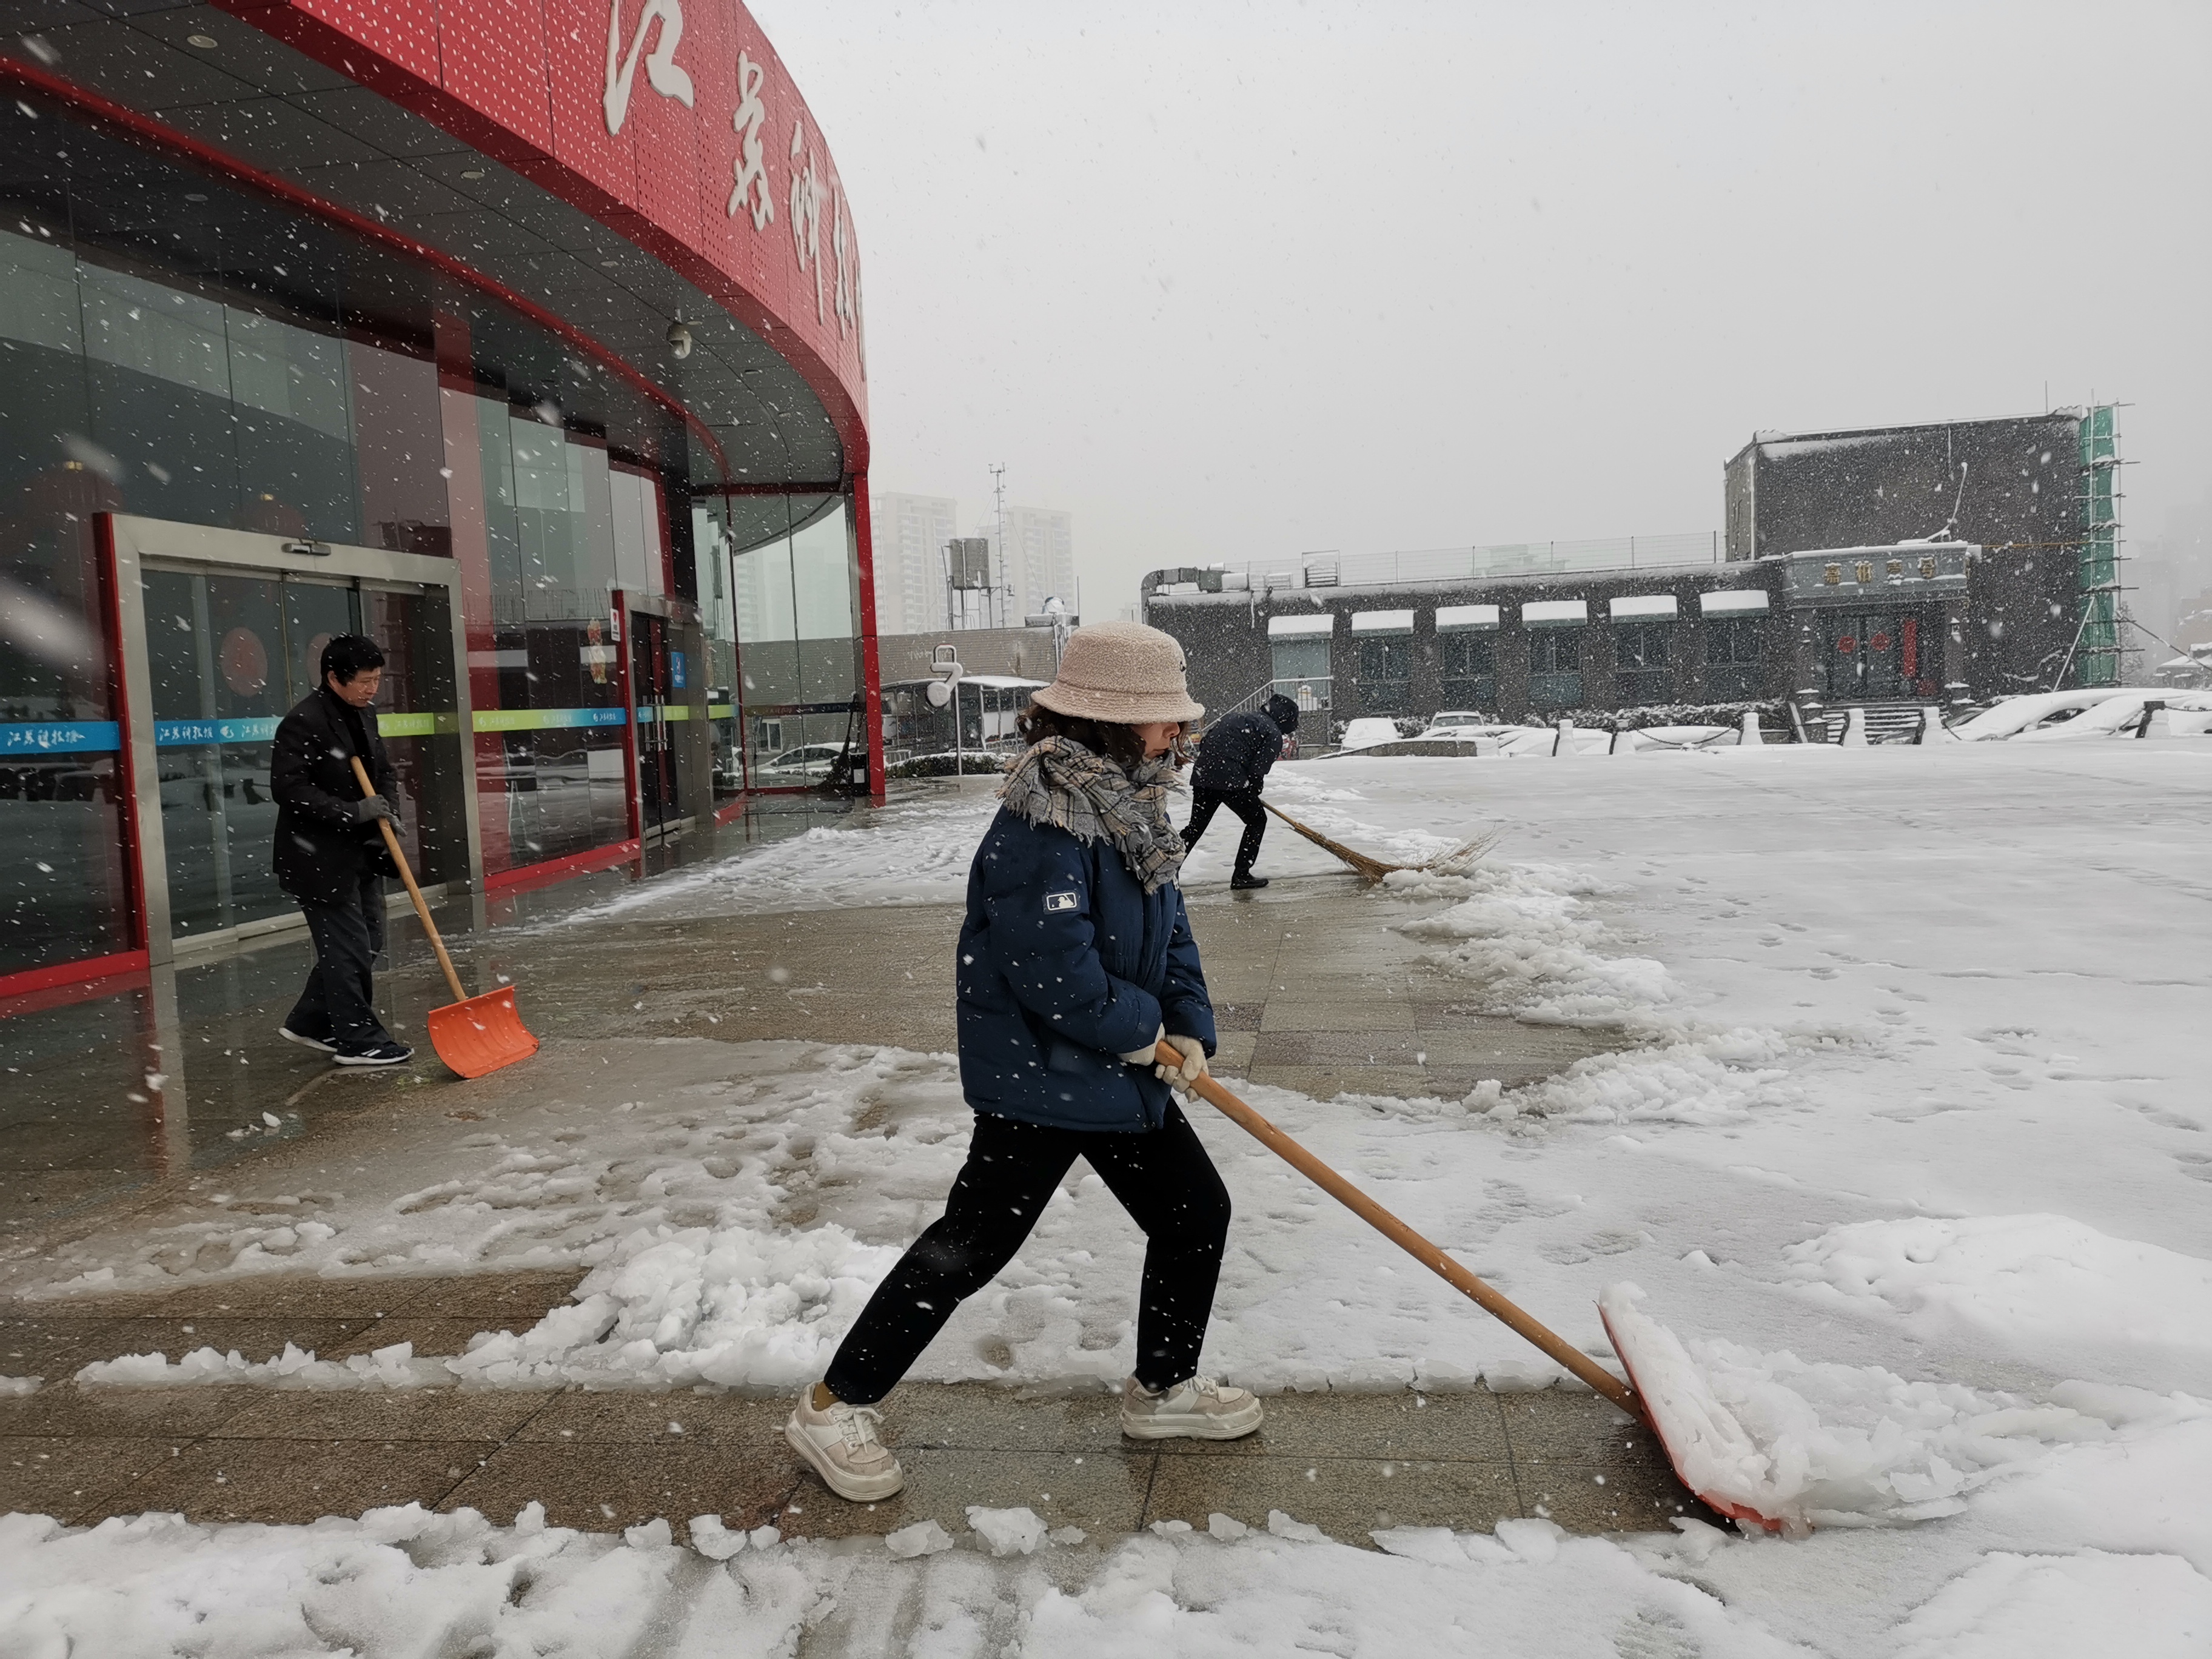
1066	964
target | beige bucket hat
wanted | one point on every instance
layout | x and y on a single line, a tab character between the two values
1123	672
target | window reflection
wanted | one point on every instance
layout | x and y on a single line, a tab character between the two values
795	597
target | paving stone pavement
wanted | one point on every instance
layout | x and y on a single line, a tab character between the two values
1348	1463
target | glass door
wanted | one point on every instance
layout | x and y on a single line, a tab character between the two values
219	663
654	672
228	651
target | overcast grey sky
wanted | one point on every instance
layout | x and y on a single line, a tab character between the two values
1233	281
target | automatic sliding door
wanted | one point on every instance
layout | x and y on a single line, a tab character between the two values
216	653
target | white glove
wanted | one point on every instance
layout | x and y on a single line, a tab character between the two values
1181	1078
1143	1056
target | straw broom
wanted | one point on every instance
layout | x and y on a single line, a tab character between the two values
1456	862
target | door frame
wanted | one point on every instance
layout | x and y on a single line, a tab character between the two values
125	541
622	603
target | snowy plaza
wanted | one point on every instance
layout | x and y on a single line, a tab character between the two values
1879	1071
1183	830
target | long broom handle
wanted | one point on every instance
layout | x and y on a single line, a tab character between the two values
413	892
1407	1239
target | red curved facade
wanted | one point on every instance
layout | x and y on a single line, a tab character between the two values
672	122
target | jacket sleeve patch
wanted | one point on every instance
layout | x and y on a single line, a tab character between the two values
1059	901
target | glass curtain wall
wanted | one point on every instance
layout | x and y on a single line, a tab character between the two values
796	597
561	782
127	391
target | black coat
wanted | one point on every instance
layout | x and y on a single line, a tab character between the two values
1234	756
323	850
1066	964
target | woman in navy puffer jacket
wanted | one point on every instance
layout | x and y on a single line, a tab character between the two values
1076	964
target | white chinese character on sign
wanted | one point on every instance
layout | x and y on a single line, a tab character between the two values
806	212
660	69
752	191
840	249
849	285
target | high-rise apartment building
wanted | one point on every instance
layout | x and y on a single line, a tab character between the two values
1038	561
910	534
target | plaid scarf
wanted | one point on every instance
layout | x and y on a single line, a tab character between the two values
1065	785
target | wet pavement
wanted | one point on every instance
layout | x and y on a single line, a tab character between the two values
115	1103
111	1101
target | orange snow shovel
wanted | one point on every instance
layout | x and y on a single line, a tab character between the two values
472	1035
1677	1426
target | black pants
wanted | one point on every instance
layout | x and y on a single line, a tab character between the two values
1245	803
1164	1181
336	1005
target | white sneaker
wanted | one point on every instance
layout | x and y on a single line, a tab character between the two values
1200	1409
840	1445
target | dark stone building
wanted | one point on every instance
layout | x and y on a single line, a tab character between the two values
1512	647
2034	494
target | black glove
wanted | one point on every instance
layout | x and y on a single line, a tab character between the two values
369	808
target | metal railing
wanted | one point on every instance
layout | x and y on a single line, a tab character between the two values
1443	564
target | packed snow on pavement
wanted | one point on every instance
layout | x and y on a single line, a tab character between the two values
1910	1150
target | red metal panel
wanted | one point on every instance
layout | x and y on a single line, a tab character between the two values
403	32
127	768
576	55
871	677
663	179
493	55
34	990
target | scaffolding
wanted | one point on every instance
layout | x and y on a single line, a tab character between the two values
2096	654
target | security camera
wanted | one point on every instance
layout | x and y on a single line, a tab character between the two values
679	339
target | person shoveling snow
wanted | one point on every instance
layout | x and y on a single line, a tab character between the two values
1076	960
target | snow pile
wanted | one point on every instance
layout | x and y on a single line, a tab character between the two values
923	1538
1007	1532
393	1367
2147	1606
1806	1445
673	1309
1717	1079
402	1581
1526	942
2045	1286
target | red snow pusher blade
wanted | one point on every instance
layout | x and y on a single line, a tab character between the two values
1703	1442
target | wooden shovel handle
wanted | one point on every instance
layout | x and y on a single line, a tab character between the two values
1407	1239
413	892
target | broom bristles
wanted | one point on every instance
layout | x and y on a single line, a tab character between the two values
1456	862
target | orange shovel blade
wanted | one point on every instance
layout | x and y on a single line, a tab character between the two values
481	1034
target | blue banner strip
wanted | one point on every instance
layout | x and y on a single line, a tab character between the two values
60	737
169	734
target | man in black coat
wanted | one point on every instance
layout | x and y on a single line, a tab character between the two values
329	853
1233	761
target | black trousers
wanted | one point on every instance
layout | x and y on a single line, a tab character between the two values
1164	1181
1245	803
337	1004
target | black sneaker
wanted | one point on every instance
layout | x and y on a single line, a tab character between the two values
1245	878
305	1041
387	1053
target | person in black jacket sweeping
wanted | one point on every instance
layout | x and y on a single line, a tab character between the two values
329	855
1233	762
1075	962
